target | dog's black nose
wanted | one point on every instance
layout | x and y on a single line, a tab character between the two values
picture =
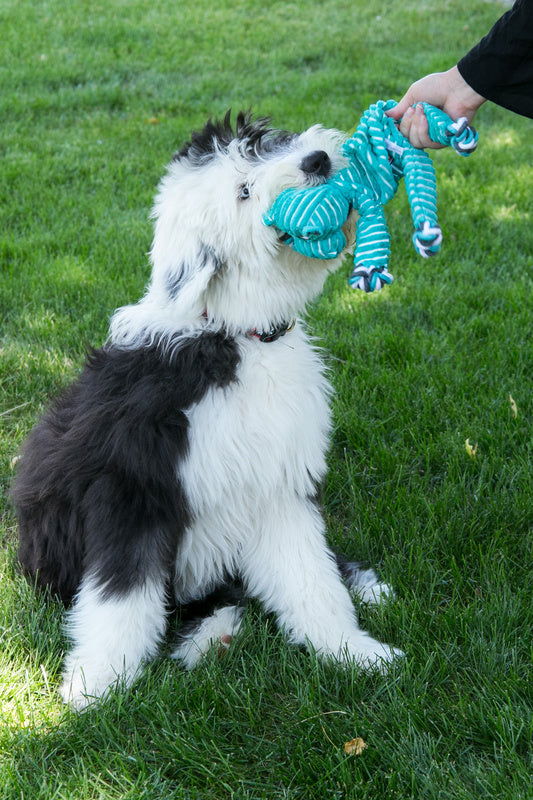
316	163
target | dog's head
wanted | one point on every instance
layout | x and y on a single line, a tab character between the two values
211	250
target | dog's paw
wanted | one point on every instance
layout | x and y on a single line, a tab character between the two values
80	689
217	629
367	653
74	691
377	656
366	585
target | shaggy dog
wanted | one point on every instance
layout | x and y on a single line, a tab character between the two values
186	457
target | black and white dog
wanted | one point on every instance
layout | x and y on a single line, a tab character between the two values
188	453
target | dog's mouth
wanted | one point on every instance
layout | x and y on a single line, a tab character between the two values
316	180
349	228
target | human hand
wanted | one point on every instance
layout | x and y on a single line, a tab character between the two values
446	90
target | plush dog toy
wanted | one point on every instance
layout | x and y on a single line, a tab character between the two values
379	156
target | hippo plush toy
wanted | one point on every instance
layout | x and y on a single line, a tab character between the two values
378	156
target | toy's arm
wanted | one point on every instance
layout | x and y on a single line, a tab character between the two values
420	185
417	169
459	134
443	130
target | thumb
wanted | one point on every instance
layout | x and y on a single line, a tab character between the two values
399	110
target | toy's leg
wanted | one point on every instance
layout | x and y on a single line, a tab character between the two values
420	185
372	249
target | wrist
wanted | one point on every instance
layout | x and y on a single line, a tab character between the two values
465	95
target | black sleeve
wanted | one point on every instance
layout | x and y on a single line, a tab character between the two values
500	66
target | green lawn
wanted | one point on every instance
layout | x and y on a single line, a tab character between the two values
95	98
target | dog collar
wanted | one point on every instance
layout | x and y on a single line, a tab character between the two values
271	335
274	333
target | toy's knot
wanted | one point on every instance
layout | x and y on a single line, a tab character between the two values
464	138
458	134
370	279
427	239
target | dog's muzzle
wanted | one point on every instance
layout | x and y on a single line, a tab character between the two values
317	164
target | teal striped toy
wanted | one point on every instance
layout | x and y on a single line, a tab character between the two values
379	156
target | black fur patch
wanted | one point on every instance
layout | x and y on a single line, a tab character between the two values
230	593
97	490
209	256
256	135
347	568
175	281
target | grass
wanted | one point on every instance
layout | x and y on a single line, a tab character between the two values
94	100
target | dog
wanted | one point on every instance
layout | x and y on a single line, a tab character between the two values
185	459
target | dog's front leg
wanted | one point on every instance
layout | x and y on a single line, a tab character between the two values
289	567
111	637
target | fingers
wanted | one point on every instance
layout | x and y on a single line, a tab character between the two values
400	109
412	122
414	126
446	90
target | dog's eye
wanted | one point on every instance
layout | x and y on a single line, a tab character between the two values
244	192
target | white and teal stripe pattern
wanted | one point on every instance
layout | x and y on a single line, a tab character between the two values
458	134
312	218
368	153
309	212
379	156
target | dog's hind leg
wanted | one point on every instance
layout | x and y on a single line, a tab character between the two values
112	635
363	581
218	629
213	621
289	567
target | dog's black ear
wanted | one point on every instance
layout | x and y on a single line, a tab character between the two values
193	273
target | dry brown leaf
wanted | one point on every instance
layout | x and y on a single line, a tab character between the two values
355	746
514	407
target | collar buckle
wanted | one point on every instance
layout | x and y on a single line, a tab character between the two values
275	333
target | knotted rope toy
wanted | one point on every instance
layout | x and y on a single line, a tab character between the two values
379	156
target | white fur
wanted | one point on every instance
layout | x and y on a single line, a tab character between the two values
112	638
